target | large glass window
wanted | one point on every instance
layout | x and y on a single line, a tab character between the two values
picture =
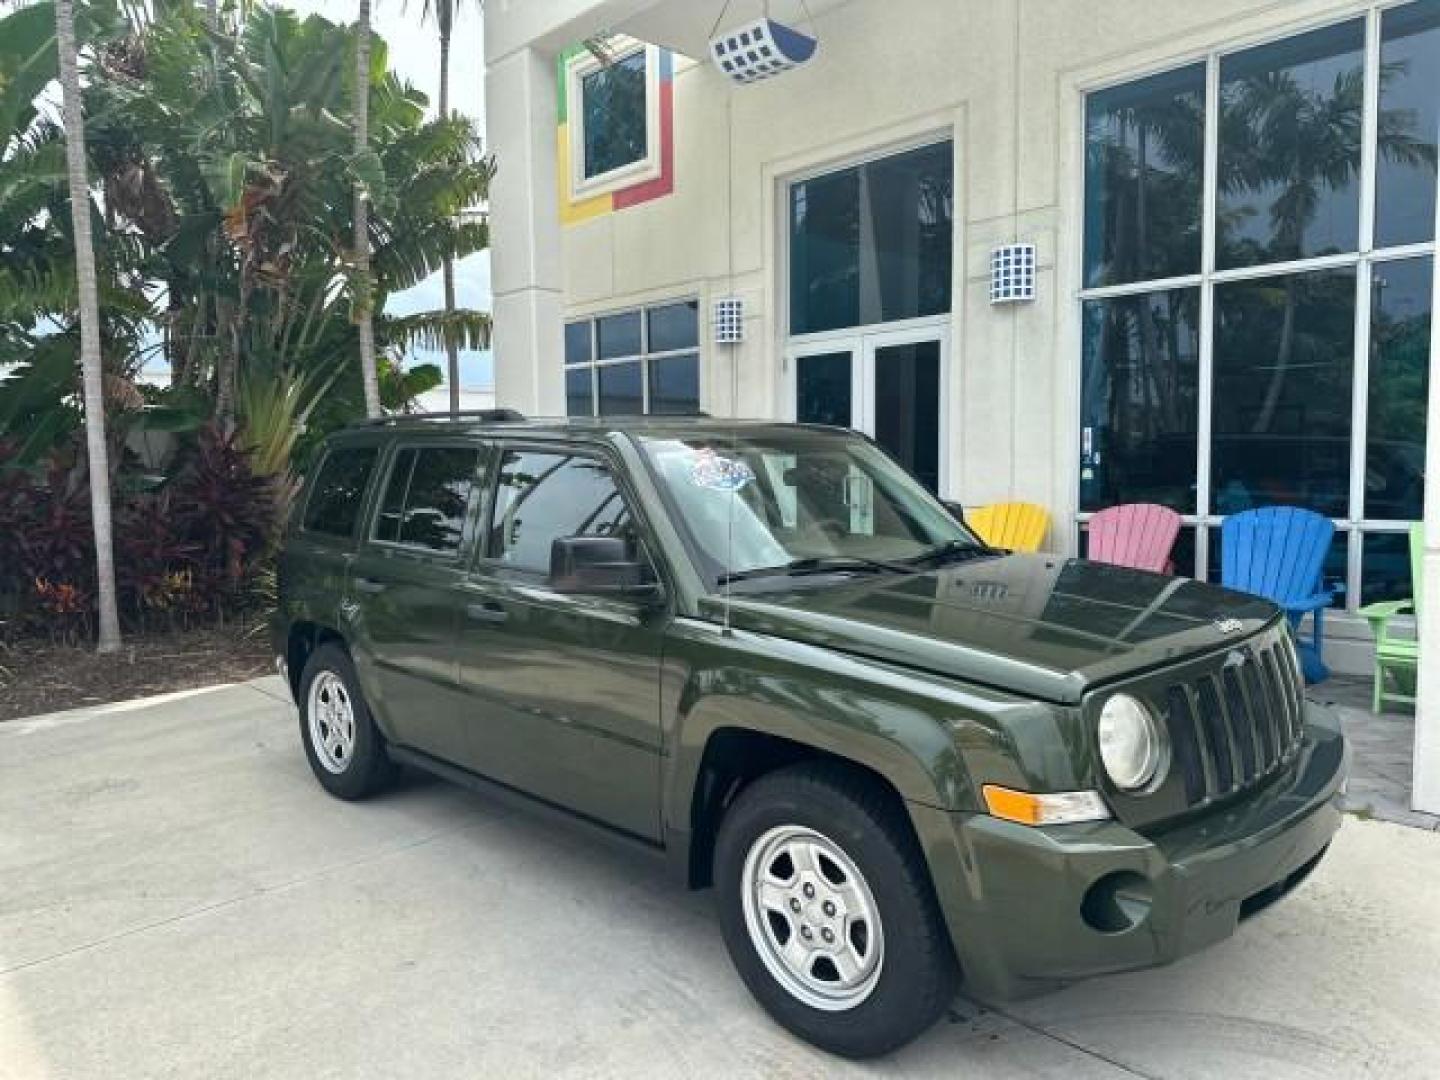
1139	392
1144	157
544	497
634	362
872	243
1284	362
338	493
1290	122
1409	124
1232	337
1399	382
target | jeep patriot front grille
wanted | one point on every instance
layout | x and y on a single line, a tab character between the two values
1240	722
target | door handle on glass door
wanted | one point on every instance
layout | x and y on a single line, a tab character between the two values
488	612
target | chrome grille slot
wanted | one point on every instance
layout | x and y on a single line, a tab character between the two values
1237	721
1185	742
1242	727
1217	733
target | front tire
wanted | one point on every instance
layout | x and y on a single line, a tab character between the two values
345	749
828	913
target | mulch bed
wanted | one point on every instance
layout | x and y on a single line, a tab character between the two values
37	677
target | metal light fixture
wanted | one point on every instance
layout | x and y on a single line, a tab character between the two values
1012	273
729	320
757	50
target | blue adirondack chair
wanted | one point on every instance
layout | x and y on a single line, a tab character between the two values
1278	552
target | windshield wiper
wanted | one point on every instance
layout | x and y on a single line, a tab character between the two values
953	551
818	565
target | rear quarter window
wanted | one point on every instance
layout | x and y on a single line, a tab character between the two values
337	494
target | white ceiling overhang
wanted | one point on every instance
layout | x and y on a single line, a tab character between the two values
686	25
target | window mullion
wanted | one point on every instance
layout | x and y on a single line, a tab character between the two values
1140	288
1205	396
1369	132
1364	276
1359	424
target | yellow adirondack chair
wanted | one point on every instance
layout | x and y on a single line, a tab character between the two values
1015	526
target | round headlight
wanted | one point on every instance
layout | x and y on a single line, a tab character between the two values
1132	746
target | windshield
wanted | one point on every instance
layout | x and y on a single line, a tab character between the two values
798	499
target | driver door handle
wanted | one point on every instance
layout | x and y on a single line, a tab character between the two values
369	585
487	612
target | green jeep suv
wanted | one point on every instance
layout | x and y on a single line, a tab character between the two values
765	653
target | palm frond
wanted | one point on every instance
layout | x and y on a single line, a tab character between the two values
436	330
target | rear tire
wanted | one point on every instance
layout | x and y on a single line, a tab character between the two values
828	912
345	749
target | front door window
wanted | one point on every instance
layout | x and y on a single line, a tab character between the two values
823	392
907	406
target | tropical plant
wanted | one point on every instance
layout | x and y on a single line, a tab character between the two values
222	215
365	298
443	12
244	193
78	181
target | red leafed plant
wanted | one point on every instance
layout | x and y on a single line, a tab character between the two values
224	513
198	546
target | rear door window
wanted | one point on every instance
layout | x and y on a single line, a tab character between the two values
338	491
427	497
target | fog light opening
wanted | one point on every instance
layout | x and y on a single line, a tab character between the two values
1117	902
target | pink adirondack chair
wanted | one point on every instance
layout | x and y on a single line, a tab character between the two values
1138	535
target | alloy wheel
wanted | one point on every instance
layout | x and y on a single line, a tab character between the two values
812	918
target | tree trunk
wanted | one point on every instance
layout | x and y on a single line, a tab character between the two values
452	350
364	318
99	457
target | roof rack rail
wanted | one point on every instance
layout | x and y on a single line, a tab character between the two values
485	416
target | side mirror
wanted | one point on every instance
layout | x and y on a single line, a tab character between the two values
956	511
597	566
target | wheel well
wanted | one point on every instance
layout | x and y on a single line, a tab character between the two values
734	758
305	638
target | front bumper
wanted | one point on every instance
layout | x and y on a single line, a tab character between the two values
1030	908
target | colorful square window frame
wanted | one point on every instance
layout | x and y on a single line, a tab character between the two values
650	177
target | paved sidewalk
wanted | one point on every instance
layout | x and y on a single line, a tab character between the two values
178	898
1383	747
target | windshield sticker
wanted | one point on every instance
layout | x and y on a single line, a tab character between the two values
716	473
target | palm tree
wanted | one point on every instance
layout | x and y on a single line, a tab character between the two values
362	213
443	12
109	637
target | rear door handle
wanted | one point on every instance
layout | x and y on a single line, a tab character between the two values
487	612
369	585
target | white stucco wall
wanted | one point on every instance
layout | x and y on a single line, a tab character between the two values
1004	79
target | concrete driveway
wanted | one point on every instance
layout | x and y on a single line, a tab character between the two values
179	899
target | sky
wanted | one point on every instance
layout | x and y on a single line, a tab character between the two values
414	49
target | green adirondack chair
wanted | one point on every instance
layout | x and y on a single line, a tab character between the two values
1394	655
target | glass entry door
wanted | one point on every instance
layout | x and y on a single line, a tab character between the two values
888	384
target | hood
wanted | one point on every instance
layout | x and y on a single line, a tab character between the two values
1038	625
